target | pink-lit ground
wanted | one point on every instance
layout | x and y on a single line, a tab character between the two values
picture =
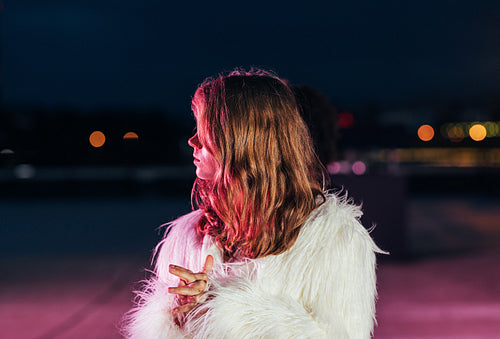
457	297
66	298
436	296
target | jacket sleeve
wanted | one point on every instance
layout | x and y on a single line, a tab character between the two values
244	310
151	317
323	287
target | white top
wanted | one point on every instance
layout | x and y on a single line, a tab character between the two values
322	287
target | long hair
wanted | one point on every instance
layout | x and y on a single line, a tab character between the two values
269	179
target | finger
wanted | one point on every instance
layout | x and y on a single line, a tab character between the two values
209	263
200	298
183	299
192	289
181	283
184	308
182	273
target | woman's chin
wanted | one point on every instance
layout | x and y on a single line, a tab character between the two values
201	175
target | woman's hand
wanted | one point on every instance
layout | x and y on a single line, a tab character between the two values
192	286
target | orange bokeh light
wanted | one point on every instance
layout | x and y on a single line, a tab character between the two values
477	132
130	135
97	139
425	132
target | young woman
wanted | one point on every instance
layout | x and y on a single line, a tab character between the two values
267	253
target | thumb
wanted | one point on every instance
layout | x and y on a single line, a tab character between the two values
209	262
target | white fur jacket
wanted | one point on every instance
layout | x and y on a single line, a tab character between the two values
322	287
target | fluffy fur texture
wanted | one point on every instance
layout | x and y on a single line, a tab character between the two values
322	287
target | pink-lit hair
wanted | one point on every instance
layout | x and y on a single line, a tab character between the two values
269	177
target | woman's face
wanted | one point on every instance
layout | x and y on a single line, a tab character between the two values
206	165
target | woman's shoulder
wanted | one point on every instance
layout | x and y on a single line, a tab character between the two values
336	222
335	211
183	228
186	221
337	205
181	243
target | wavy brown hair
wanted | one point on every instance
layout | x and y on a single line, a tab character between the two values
269	179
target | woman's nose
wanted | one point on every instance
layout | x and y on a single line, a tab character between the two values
194	141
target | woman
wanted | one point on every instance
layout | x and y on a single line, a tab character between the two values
267	252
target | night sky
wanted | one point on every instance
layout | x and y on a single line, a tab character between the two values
96	54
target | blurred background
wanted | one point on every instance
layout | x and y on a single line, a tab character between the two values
402	100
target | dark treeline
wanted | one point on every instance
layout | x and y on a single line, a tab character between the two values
61	137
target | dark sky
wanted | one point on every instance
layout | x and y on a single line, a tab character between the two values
151	54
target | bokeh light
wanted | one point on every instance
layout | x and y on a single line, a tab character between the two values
345	167
459	130
456	134
346	120
97	139
339	167
24	171
444	129
333	167
130	136
359	168
492	128
477	132
425	132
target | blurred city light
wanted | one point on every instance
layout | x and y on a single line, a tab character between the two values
451	157
456	134
477	132
339	167
345	167
359	168
425	132
130	135
333	168
444	129
346	120
24	171
492	129
6	151
97	139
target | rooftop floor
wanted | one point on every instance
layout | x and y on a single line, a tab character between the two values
452	293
